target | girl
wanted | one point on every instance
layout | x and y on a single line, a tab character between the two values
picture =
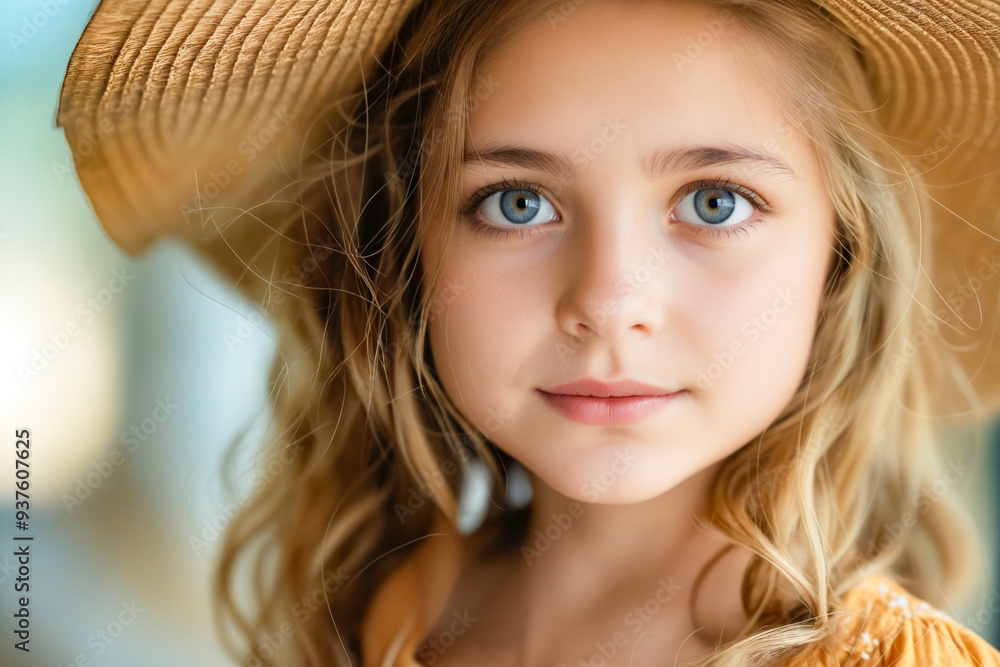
658	270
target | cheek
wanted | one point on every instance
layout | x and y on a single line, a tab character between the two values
755	328
480	327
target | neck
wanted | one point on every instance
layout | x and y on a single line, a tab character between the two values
578	557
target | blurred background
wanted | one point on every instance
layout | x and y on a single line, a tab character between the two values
133	376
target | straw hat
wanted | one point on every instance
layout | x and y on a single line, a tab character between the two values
194	118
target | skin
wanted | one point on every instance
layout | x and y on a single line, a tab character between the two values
542	309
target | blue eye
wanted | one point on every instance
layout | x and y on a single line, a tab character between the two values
509	209
714	206
517	206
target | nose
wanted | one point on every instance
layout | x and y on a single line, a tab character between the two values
613	282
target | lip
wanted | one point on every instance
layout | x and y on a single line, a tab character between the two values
608	404
618	388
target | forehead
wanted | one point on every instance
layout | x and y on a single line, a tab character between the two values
668	71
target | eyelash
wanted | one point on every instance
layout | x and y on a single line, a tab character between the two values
729	233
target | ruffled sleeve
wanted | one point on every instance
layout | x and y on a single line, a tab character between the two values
886	625
924	640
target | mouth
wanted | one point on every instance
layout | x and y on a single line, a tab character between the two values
623	388
609	410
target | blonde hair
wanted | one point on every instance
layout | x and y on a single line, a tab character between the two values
362	422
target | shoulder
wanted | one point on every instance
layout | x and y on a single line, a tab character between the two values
884	624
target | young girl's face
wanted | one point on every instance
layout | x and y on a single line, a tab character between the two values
660	222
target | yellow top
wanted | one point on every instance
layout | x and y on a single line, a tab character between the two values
889	626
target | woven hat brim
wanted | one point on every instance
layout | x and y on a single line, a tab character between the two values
194	118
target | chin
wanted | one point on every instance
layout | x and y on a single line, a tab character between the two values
602	487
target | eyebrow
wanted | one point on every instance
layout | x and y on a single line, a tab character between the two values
653	165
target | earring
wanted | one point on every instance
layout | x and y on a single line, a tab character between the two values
519	491
474	498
